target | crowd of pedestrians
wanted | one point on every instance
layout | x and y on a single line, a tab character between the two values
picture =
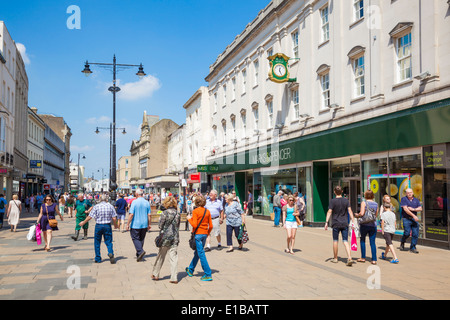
205	214
343	221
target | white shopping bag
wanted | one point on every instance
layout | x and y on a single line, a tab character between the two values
355	225
32	233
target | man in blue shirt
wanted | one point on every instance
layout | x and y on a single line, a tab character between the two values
215	207
139	223
3	205
410	206
121	207
39	200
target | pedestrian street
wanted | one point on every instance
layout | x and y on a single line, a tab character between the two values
261	271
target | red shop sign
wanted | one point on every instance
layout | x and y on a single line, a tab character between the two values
194	177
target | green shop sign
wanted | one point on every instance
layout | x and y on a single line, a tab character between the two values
418	126
208	168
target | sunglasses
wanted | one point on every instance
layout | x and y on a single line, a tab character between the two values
48	199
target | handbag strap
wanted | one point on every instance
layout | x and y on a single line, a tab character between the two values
199	223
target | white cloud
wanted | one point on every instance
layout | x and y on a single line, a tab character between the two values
95	120
23	53
140	89
74	148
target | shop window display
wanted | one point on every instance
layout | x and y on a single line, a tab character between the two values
304	189
436	187
405	171
375	171
223	183
267	185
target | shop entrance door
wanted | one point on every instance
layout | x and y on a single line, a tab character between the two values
351	189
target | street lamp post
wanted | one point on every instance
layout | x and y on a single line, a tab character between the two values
114	89
78	169
97	131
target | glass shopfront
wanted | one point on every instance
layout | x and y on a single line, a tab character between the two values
223	182
436	167
391	173
289	180
304	189
346	173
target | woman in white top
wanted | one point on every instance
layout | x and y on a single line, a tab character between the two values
13	214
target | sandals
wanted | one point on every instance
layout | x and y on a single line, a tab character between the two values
361	260
395	261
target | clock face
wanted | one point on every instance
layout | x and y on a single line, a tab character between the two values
279	70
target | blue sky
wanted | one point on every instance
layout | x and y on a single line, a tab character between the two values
175	40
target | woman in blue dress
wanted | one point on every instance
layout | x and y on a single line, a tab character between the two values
49	210
234	216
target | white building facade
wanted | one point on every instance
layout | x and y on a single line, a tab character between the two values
21	121
35	153
7	108
175	151
366	106
197	132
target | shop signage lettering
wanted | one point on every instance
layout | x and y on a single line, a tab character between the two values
207	168
434	159
272	156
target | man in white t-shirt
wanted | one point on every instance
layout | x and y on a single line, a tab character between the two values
215	207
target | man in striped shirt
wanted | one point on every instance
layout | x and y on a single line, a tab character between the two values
103	213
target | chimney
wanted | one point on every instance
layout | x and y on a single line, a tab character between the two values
34	109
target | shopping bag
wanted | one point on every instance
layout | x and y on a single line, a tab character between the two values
354	226
243	234
38	234
32	233
354	244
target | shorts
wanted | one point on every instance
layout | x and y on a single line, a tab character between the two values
216	227
291	224
388	237
343	231
121	216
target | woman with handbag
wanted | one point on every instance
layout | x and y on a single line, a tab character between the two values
13	212
201	223
290	213
368	225
234	217
168	239
47	219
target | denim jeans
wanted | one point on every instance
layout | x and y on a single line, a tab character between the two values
230	230
372	232
199	254
104	230
277	212
410	226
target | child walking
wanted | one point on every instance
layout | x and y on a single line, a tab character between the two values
388	230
